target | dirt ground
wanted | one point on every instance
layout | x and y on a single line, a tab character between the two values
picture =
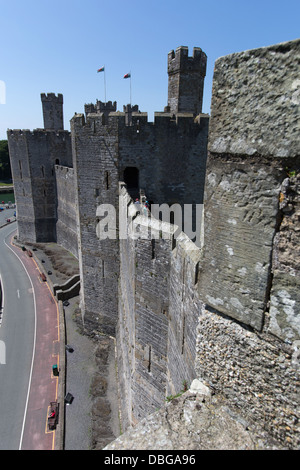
56	259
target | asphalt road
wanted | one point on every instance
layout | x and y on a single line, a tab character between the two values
17	336
6	214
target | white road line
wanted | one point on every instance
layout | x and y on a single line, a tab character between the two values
34	342
2	309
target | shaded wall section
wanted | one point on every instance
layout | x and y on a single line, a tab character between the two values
66	226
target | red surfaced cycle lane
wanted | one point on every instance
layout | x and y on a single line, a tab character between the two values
43	384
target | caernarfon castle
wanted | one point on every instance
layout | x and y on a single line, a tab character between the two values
223	306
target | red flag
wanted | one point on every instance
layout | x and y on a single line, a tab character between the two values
127	75
101	69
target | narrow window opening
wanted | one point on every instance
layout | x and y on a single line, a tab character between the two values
197	272
149	359
43	171
103	269
183	334
173	242
20	167
107	179
57	161
153	248
183	280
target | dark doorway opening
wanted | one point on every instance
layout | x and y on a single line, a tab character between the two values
131	178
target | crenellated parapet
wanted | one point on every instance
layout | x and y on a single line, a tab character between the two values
100	107
53	111
186	80
180	61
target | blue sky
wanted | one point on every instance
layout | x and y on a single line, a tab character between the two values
57	46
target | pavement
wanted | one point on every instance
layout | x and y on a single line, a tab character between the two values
87	370
43	386
88	373
81	367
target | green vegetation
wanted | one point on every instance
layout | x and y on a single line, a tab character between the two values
290	172
185	387
7	197
5	170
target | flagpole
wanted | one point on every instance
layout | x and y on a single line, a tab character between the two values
104	85
130	87
128	75
102	69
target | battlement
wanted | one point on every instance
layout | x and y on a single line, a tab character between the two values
64	170
128	108
100	107
16	133
186	80
132	117
52	110
179	61
109	107
52	97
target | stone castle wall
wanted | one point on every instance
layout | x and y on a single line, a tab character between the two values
156	333
67	212
34	155
170	155
95	149
169	158
227	311
249	326
251	202
230	309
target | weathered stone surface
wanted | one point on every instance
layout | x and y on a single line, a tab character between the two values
257	373
189	422
33	155
66	226
241	207
255	102
285	292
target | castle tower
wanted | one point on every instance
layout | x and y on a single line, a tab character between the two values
186	80
53	111
33	156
